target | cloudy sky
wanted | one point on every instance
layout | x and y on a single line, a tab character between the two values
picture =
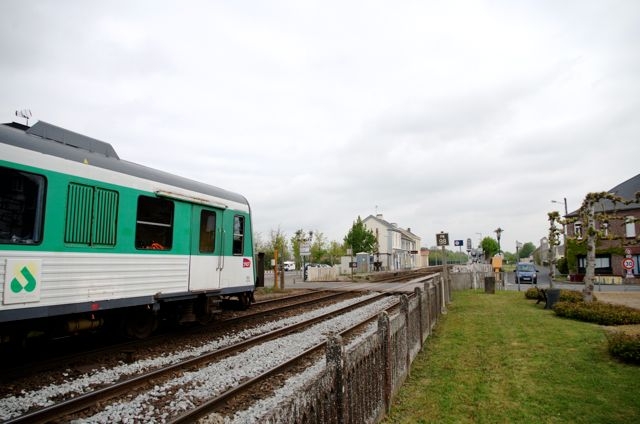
456	116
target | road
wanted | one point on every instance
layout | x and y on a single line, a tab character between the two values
544	282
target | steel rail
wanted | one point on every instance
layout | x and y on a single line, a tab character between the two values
209	406
129	345
84	401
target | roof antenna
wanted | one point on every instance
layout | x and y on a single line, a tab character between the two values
24	113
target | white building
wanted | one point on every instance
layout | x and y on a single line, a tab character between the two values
397	248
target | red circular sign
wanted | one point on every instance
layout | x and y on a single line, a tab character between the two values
628	263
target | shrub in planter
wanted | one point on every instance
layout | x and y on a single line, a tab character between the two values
531	293
625	347
572	296
598	312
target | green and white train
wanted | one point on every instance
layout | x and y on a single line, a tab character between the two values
88	239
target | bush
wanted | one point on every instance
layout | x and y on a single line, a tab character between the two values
531	293
572	296
565	295
598	312
562	266
625	347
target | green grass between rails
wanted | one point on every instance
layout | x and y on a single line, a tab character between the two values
503	359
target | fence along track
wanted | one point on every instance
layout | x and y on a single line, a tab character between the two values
103	395
211	405
352	388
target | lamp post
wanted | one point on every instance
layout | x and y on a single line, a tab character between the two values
498	232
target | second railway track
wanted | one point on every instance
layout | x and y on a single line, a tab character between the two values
177	374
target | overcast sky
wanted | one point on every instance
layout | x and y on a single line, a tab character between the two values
455	116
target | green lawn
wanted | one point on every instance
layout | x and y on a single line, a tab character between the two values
503	359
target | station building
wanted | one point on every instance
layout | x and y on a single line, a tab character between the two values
398	248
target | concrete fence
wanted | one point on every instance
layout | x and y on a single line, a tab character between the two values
471	276
360	380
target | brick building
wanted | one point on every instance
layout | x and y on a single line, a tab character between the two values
618	226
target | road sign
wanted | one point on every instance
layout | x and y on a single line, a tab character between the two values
458	242
442	239
628	263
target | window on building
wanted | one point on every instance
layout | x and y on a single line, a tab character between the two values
154	223
577	230
602	264
21	206
238	235
605	228
207	231
630	226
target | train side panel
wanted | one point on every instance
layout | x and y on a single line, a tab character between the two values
108	240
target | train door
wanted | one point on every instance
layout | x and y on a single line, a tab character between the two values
206	248
237	270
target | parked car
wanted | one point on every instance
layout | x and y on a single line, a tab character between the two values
526	273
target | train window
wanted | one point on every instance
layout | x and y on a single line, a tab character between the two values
207	231
154	224
238	235
21	206
91	215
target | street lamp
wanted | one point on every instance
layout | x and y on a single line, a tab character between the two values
566	212
498	232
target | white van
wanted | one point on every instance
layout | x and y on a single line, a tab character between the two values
289	265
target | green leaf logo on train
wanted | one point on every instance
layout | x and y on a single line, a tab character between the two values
29	282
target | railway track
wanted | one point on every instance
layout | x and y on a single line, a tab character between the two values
60	359
179	373
212	405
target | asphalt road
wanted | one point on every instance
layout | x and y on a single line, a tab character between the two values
291	277
544	282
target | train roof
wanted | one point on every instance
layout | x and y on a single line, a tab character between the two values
56	141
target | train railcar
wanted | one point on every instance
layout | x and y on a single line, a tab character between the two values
88	239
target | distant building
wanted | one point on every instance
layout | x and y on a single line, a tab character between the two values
619	235
542	253
398	248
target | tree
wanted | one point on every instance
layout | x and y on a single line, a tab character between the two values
436	257
318	248
298	238
509	257
588	215
489	246
335	251
527	249
277	240
360	238
554	240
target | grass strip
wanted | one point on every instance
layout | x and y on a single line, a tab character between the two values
500	358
